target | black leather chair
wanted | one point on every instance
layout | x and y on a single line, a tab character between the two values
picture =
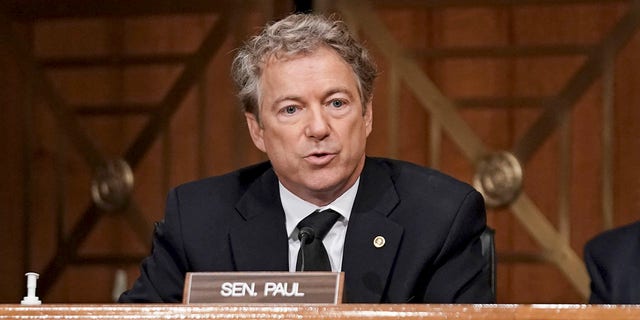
489	253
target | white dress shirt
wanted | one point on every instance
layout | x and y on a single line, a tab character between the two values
296	209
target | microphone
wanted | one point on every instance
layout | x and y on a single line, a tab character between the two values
305	235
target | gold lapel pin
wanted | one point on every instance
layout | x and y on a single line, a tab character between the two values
379	241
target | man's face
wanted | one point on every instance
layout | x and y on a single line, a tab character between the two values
312	126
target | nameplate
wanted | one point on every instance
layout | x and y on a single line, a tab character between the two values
263	287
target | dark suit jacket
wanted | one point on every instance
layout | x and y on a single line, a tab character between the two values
613	262
235	222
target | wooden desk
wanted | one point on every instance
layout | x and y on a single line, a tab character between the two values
345	311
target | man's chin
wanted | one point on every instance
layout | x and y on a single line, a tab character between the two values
327	187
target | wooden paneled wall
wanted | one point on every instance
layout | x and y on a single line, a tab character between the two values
497	63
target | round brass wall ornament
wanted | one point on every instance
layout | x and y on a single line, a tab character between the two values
499	178
112	185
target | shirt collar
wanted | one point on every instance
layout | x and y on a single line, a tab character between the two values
296	209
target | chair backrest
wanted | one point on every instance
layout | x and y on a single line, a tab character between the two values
489	254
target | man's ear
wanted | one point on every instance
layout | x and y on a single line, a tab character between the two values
255	130
368	117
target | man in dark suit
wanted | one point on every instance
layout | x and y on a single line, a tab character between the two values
613	263
405	233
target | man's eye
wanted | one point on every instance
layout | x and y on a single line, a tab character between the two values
337	103
290	109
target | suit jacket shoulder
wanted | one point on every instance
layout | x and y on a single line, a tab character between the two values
614	237
423	193
231	185
613	262
413	178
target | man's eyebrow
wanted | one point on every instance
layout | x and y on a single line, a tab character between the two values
327	94
286	98
338	90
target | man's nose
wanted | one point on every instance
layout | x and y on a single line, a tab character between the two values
317	124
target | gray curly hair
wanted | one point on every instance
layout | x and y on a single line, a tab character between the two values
294	35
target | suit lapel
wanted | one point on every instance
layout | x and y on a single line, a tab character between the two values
367	265
259	240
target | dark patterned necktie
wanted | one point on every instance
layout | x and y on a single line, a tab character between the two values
312	255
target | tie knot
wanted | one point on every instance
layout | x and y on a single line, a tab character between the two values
317	224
